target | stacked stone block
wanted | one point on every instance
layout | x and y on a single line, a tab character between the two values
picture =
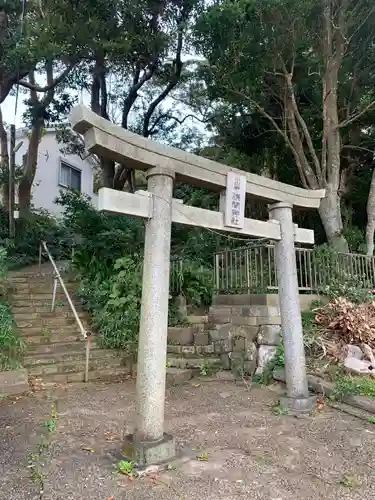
241	330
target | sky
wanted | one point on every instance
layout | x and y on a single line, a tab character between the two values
8	109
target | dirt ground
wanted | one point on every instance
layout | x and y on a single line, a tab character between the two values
252	453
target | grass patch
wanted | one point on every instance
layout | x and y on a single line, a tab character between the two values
347	385
126	468
35	461
11	345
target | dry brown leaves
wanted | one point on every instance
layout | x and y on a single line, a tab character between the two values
348	323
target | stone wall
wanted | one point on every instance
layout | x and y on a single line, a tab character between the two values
240	332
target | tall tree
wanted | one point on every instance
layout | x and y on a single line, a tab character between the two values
135	63
308	68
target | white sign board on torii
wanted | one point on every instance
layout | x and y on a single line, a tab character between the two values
163	165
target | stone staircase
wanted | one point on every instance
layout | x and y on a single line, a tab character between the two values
55	349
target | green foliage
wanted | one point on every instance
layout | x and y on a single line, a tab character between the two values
11	345
194	282
126	468
30	231
114	304
347	385
336	270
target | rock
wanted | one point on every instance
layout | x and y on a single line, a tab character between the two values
266	354
247	332
250	352
353	351
225	361
219	332
250	367
181	335
358	366
201	338
269	335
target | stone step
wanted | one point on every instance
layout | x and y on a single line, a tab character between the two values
44	331
178	376
104	374
54	338
55	347
182	335
42	295
45	323
37	310
192	363
66	356
35	302
75	366
193	350
41	287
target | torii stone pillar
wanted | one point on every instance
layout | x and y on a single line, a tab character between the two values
297	397
149	444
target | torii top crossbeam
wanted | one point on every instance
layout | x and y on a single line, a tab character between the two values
106	139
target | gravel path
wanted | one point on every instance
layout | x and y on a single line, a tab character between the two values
252	453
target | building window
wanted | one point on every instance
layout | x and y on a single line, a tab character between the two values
70	177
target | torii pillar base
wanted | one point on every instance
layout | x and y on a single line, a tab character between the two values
146	453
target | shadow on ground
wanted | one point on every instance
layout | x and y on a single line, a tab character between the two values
252	453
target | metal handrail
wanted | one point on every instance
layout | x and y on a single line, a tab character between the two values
57	277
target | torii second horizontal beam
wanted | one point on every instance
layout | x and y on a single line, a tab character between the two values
140	206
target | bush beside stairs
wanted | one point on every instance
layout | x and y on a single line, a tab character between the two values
55	349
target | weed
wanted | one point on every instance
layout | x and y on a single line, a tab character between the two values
371	420
347	385
51	424
204	370
34	459
59	303
47	333
348	481
203	457
126	468
263	460
280	410
4	396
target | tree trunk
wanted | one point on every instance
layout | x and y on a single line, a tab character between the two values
4	164
370	228
330	214
29	169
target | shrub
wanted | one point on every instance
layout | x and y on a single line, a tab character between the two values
11	346
341	283
29	232
351	287
194	282
115	303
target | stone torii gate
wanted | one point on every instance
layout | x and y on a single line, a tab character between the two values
163	165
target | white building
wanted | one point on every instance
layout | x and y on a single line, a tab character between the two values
56	171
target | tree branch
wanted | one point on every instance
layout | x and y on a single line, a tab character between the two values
303	125
133	93
50	85
174	78
171	117
358	115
